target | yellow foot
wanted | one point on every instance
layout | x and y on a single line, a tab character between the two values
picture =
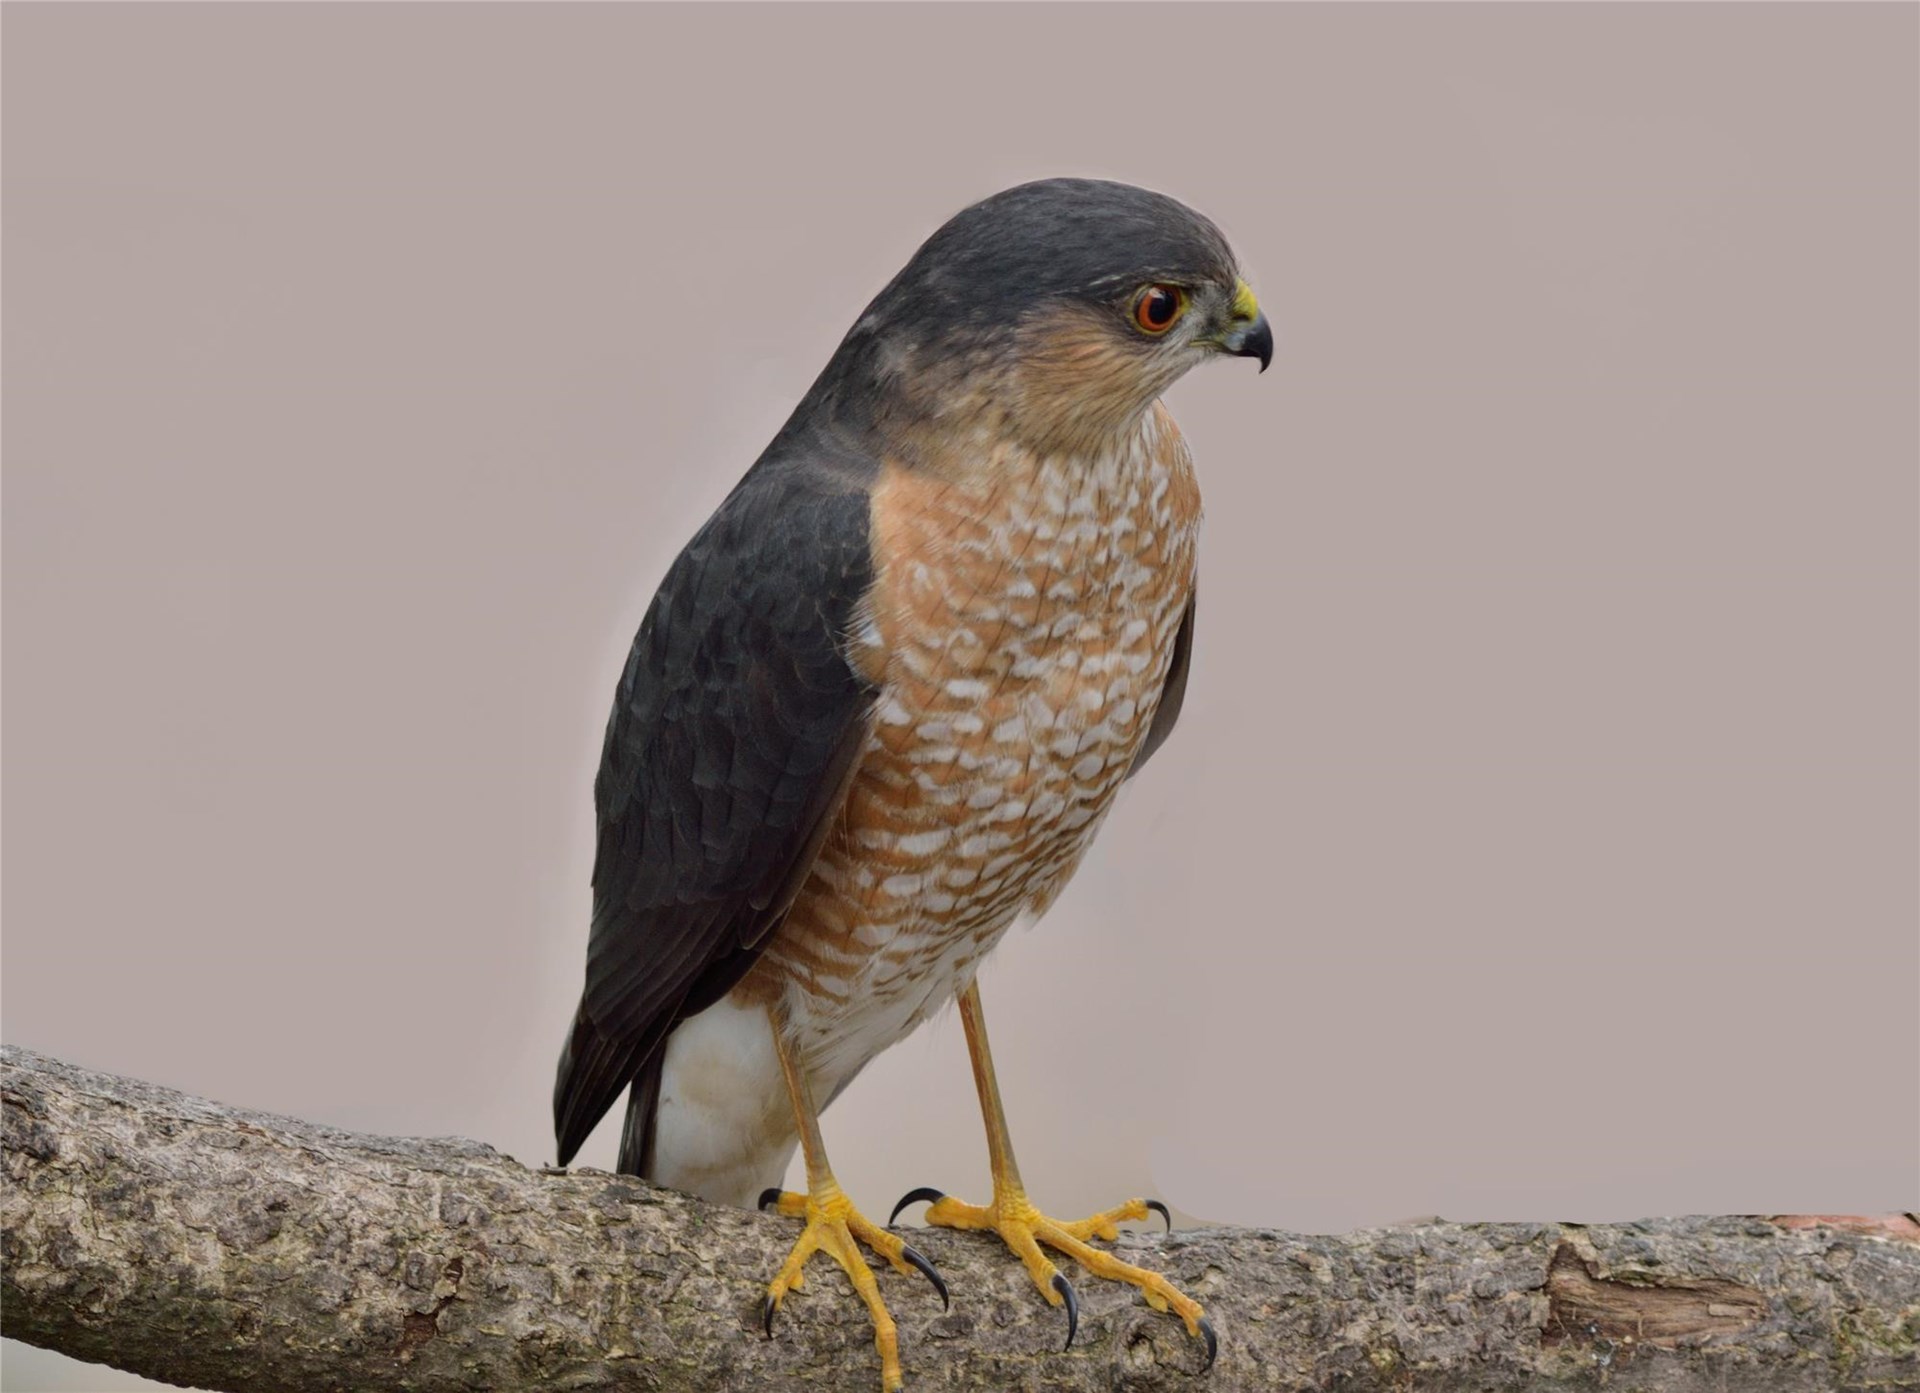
1024	1229
835	1227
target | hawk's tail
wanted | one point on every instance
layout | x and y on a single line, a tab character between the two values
643	1111
593	1070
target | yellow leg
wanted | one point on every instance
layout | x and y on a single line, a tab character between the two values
836	1228
1025	1229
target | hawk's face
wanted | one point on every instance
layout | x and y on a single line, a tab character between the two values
1053	313
1085	368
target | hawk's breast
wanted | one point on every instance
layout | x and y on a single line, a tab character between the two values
1021	627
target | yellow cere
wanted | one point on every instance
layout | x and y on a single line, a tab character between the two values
1244	305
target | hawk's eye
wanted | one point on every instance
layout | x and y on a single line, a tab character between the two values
1157	307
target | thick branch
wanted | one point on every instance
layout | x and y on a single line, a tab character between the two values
234	1250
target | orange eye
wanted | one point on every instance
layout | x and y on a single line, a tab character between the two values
1157	307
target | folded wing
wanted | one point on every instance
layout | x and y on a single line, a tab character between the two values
734	734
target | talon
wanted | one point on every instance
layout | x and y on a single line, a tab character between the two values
834	1227
1065	1288
929	1271
771	1195
1024	1229
925	1192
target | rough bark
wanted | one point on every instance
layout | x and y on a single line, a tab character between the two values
235	1250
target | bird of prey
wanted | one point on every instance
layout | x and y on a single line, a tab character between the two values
884	699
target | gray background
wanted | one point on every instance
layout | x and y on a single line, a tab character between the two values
1540	837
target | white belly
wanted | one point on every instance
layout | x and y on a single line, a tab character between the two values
725	1126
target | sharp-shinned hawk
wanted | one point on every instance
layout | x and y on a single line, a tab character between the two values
884	699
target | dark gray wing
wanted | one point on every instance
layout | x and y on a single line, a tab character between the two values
1172	693
733	737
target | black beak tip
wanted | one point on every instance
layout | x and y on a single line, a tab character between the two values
1260	343
1257	342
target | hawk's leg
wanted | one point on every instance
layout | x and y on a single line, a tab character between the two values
1025	1229
836	1228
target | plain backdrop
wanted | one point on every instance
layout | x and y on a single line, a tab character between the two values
1540	837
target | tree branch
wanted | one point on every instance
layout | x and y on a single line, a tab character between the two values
201	1244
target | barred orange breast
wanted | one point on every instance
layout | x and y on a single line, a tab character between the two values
1022	623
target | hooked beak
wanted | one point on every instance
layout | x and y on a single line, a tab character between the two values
1253	340
1250	335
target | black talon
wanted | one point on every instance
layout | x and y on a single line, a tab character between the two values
767	1307
930	1272
1161	1210
1213	1343
1065	1288
769	1196
925	1192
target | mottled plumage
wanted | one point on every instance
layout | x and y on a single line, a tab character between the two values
1023	636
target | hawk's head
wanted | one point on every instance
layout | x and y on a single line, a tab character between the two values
1056	312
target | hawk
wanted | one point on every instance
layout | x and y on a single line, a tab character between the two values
884	699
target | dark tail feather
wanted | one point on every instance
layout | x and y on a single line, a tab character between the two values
643	1109
593	1070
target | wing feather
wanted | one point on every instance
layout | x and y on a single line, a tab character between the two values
1173	693
736	728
